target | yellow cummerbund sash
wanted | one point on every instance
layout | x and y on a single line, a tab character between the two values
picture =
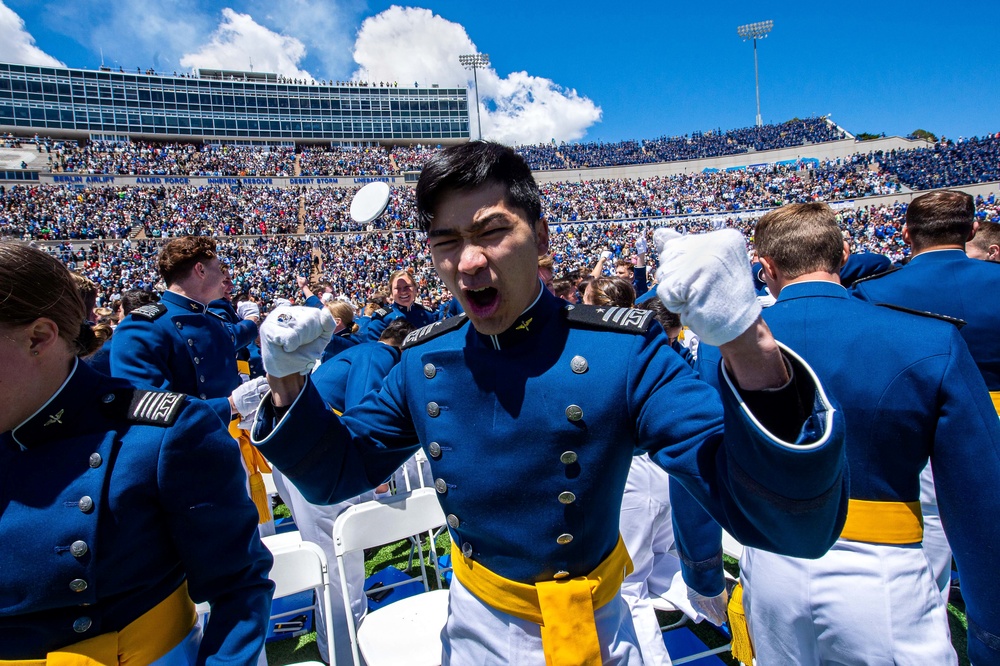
243	367
564	608
996	400
146	639
891	523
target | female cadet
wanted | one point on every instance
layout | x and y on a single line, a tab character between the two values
118	506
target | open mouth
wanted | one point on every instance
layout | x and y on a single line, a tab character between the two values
482	299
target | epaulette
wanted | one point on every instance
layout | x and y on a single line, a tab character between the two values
959	323
609	318
158	408
876	275
221	316
150	311
431	331
380	313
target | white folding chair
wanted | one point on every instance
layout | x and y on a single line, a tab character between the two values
300	566
409	630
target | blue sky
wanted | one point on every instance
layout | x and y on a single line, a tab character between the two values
572	71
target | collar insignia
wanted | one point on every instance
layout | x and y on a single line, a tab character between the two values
194	306
525	324
55	418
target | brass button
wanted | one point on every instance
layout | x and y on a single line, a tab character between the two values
560	574
564	539
78	585
85	504
441	486
82	624
108	398
203	396
568	457
433	409
78	548
197	360
453	521
95	460
574	413
566	497
201	379
434	449
467	549
430	371
579	365
179	326
190	342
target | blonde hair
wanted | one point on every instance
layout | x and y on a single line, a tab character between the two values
344	312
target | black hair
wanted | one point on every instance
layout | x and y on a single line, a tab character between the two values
395	332
474	164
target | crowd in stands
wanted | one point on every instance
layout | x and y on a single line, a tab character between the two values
373	161
173	159
359	263
945	164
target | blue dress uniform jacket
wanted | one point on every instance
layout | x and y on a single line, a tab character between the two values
177	345
351	374
530	435
947	282
107	509
913	393
338	343
242	331
416	314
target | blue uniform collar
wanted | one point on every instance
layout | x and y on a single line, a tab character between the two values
812	288
528	325
184	302
939	256
67	413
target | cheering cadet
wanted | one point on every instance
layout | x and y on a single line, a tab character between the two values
404	305
118	506
531	412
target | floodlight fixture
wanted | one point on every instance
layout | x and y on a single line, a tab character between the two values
476	61
755	31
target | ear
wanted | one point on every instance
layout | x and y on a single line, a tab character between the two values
769	268
43	334
975	230
542	233
993	253
846	255
906	236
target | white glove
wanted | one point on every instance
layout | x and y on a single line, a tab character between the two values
640	245
607	254
247	309
293	337
705	279
715	609
247	397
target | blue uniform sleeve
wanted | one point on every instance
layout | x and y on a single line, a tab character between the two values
785	496
698	539
639	281
243	333
314	302
966	464
331	458
214	526
142	354
373	331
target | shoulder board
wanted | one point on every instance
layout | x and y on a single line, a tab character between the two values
609	318
155	407
221	316
431	331
380	313
150	311
922	313
876	276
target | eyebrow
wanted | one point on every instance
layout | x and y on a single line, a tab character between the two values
476	226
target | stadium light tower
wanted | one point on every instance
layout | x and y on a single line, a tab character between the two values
476	61
755	31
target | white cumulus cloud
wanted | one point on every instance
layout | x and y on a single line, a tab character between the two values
17	44
408	44
240	39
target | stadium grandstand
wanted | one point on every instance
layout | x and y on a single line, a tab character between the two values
102	191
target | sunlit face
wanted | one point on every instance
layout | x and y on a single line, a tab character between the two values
589	297
214	275
486	253
545	275
623	272
403	291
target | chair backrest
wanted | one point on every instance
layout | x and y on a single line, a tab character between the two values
300	566
375	523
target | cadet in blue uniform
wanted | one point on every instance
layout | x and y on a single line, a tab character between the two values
531	416
177	344
346	334
910	391
940	278
404	304
118	506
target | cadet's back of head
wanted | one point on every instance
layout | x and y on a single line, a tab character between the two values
945	217
800	239
395	332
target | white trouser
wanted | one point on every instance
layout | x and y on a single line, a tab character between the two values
478	634
860	604
936	547
315	523
648	533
